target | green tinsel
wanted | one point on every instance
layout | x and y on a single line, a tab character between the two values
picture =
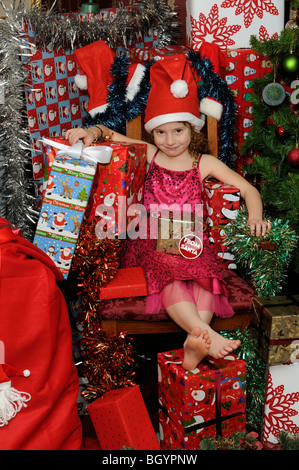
266	266
256	370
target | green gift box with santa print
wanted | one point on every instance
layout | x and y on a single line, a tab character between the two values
64	204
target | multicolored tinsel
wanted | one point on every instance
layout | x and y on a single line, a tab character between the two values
17	198
70	31
266	257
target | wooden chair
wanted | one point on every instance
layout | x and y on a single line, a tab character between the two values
127	314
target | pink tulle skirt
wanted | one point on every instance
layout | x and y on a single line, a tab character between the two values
206	294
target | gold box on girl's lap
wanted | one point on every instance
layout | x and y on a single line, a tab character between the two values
171	231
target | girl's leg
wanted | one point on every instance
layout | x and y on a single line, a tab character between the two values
220	346
197	343
180	307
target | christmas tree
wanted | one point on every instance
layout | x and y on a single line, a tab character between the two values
271	149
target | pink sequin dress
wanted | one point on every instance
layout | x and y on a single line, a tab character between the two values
163	186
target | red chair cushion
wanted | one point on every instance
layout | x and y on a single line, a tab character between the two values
133	308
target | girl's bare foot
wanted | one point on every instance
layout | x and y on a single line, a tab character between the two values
196	347
220	346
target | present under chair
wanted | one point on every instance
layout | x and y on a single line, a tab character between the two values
127	314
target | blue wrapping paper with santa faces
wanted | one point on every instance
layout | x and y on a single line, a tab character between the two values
64	204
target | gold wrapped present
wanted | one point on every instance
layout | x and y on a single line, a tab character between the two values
170	232
277	320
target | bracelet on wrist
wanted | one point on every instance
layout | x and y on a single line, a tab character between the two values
95	135
98	127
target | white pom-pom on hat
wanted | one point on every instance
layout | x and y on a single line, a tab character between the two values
81	81
26	373
179	88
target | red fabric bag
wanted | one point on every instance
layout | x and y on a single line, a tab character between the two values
35	330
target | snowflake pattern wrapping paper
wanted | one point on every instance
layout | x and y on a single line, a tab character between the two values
230	23
281	410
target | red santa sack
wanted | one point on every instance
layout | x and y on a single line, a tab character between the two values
35	330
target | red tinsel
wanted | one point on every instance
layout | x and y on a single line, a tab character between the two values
107	359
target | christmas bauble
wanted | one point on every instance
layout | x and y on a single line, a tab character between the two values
273	94
293	157
289	65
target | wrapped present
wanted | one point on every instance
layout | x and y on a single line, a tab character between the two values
64	204
141	55
128	282
277	320
221	205
281	406
197	403
230	24
172	230
120	418
244	66
118	186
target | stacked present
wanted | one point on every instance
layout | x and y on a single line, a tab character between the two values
77	188
277	321
121	420
141	55
221	204
64	204
207	401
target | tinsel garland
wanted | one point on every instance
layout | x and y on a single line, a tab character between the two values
107	360
213	86
256	370
70	31
266	257
17	199
120	111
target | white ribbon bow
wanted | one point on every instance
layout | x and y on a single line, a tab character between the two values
96	154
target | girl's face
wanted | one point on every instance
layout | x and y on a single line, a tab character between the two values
172	138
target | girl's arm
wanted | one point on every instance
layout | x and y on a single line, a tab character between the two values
93	133
211	166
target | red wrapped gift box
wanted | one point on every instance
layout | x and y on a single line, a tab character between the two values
142	55
208	401
221	204
128	282
120	418
120	181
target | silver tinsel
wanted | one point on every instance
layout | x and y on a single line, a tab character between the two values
126	27
17	200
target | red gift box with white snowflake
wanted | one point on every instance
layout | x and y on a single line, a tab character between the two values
281	406
221	205
207	401
230	23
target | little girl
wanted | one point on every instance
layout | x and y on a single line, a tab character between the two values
191	290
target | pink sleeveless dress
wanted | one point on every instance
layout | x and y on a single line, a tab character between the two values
163	186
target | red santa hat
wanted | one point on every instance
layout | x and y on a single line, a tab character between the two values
7	371
173	96
94	63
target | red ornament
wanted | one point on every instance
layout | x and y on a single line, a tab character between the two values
293	157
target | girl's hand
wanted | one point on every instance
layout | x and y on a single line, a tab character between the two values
259	227
73	135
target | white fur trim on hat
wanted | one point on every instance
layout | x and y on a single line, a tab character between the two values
198	123
98	109
133	85
211	107
179	88
81	81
